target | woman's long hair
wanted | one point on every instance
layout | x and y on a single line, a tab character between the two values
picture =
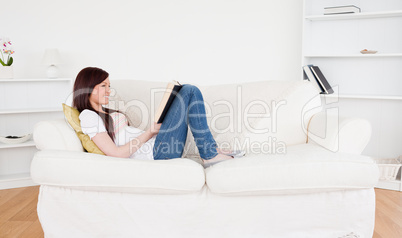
84	84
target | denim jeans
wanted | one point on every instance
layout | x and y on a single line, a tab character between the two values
187	109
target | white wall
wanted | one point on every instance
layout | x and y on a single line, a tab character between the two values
203	41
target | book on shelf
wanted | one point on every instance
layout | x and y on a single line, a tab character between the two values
170	93
308	75
321	80
341	10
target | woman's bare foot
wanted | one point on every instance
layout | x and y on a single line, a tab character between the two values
223	151
216	159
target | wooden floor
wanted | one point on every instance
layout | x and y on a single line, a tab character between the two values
388	214
18	216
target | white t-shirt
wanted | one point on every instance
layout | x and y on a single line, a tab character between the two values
92	124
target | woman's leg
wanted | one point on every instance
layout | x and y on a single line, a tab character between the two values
187	109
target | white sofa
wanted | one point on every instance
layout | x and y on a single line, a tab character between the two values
288	185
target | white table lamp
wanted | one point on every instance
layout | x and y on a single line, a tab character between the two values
51	58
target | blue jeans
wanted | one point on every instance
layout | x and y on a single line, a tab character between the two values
187	109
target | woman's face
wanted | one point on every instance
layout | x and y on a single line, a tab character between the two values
100	94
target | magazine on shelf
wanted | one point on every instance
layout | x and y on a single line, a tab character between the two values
171	91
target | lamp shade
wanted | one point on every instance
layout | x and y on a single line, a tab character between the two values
51	57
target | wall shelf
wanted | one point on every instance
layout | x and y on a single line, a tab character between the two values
373	97
364	15
32	110
35	80
355	56
29	143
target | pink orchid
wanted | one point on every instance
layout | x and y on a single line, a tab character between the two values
6	51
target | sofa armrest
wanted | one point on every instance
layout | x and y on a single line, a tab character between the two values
56	135
339	134
81	170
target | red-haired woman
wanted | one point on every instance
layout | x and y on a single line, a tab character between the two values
110	131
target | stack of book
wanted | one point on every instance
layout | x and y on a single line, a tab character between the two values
316	77
341	10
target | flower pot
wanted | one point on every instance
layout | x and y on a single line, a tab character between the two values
6	72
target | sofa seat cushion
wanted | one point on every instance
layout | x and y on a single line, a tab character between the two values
302	169
95	172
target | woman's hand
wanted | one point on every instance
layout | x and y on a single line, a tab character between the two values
155	127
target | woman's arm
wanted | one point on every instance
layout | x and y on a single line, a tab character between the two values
105	143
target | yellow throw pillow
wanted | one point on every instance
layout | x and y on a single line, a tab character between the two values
72	116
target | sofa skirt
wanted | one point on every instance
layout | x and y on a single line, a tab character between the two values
66	212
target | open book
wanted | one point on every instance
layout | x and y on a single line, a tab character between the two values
171	91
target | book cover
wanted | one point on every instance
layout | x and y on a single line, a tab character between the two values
308	75
343	7
322	80
171	91
341	10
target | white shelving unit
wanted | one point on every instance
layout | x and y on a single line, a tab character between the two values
366	85
23	103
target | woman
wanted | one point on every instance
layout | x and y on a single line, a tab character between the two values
109	129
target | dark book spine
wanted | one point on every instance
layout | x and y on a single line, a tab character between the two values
172	96
321	79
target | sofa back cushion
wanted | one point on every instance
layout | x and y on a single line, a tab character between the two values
267	115
138	99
